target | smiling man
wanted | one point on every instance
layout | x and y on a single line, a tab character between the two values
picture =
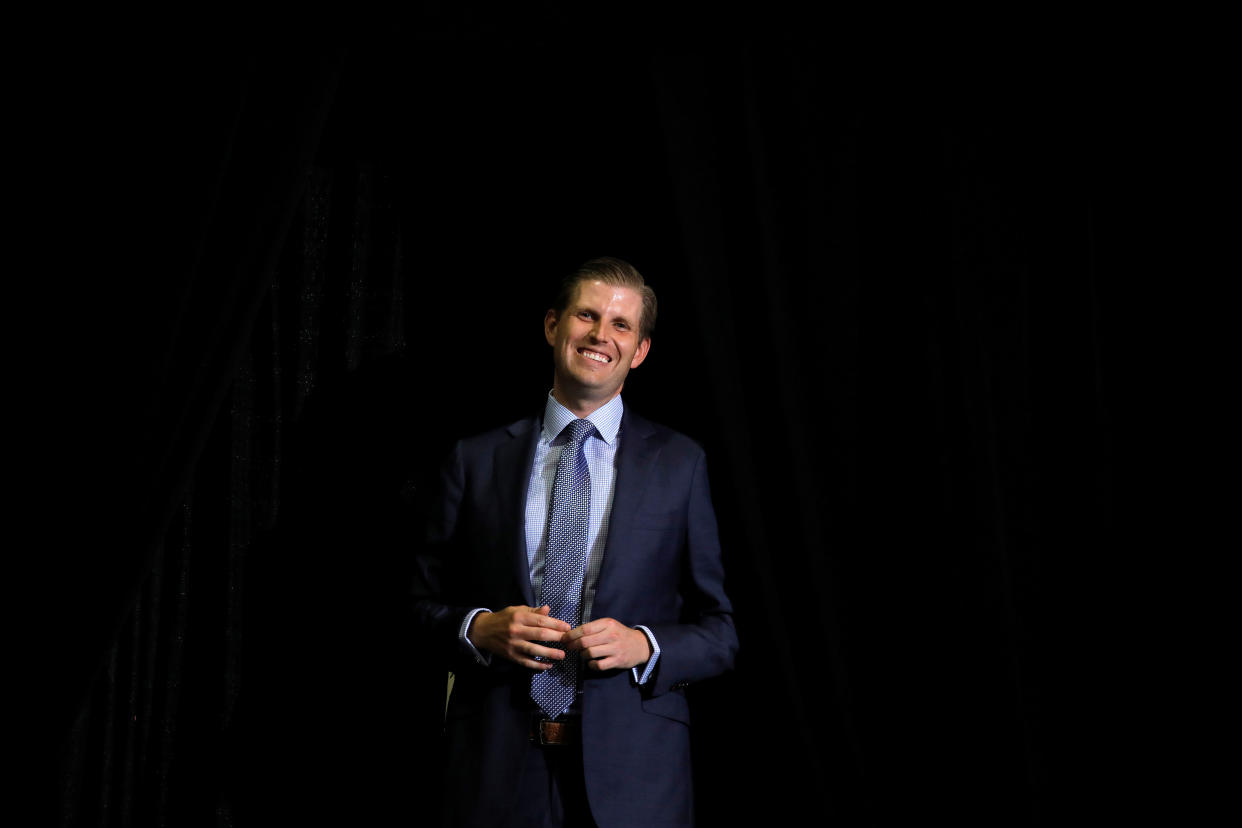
572	579
596	340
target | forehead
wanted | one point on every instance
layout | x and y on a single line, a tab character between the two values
618	300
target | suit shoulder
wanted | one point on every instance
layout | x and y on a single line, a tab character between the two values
665	437
501	434
487	442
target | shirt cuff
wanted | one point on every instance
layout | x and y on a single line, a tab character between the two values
651	662
482	658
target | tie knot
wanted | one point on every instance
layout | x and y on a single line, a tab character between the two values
577	431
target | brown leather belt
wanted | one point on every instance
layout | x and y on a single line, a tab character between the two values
559	732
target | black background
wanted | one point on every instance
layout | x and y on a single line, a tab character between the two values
890	275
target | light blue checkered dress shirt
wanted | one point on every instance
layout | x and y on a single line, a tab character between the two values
601	456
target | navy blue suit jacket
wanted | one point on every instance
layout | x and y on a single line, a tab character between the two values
661	568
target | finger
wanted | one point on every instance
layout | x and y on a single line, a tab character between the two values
537	619
531	664
603	663
532	651
576	646
589	629
546	612
542	634
600	651
599	625
578	643
595	640
540	618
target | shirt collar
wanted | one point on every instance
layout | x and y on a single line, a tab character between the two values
606	419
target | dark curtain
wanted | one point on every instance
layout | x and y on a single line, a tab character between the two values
885	316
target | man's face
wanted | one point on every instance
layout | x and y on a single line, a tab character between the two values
595	342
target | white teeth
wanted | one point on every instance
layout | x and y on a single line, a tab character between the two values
595	356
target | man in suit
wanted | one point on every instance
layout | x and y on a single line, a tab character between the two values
572	579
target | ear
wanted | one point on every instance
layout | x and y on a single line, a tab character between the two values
641	353
549	326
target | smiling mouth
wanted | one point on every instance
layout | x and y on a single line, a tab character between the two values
595	355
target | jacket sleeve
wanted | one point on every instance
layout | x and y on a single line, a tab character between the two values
704	644
437	614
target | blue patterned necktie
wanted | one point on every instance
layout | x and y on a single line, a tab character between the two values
564	564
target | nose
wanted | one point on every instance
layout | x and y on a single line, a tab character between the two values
597	330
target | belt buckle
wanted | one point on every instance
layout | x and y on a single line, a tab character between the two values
553	733
543	732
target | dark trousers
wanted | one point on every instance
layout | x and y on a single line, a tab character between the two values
552	790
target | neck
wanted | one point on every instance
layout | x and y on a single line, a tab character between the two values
581	406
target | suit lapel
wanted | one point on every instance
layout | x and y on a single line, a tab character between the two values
513	462
636	458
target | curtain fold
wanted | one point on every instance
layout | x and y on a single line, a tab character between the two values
191	315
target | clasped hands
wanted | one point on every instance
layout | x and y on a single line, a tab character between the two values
515	632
